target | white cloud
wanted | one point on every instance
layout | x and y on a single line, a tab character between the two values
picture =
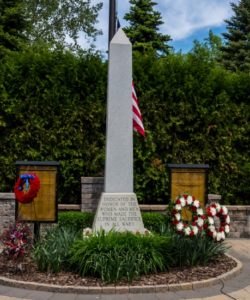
181	17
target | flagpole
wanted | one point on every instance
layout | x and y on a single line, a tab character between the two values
112	19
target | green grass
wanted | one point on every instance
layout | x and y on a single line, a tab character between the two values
51	253
114	256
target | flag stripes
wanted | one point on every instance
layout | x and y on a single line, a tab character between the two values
137	117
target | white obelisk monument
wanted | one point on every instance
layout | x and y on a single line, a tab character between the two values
118	207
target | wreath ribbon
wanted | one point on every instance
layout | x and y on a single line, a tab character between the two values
27	187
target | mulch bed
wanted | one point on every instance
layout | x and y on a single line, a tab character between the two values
29	272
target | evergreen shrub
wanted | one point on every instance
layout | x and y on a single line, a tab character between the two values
53	107
154	222
76	219
79	220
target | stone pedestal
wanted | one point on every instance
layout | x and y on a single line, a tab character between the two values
119	212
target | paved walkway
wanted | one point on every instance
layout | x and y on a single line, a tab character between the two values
237	288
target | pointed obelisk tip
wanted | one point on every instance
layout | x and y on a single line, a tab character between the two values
120	38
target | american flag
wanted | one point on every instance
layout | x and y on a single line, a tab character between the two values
137	117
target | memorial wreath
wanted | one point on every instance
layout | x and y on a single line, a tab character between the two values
188	228
220	211
27	187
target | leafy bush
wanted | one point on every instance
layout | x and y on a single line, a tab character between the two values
198	250
17	241
79	220
51	253
76	219
53	108
113	256
154	221
200	114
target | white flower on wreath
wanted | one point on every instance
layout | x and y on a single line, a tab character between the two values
183	201
200	222
218	207
178	216
212	228
199	211
187	231
224	210
195	229
210	220
189	200
220	236
227	229
213	211
227	220
196	203
177	206
179	226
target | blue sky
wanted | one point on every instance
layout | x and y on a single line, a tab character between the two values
184	20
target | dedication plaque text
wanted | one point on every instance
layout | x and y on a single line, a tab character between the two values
119	212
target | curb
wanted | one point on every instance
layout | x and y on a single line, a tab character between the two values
124	289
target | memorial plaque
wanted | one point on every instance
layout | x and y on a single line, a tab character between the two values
119	212
191	179
44	207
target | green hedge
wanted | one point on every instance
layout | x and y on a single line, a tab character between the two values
154	221
79	220
53	107
75	219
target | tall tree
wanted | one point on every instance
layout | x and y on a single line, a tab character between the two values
55	21
236	51
209	49
13	25
144	28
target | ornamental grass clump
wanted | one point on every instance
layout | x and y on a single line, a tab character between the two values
112	256
197	250
51	252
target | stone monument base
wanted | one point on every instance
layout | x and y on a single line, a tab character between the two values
118	212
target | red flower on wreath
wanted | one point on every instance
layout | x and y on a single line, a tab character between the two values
220	211
27	187
187	228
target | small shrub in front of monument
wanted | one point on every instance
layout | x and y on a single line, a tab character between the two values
75	219
198	250
16	241
114	256
51	252
155	222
